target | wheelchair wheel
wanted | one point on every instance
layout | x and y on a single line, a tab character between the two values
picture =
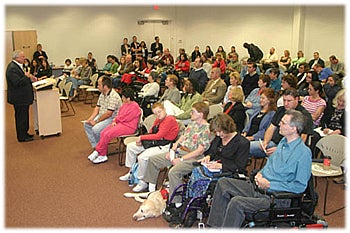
190	219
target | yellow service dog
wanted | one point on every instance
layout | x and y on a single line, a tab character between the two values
151	207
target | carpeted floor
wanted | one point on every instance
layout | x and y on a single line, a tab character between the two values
49	183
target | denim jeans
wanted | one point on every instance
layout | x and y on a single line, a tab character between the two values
256	151
93	132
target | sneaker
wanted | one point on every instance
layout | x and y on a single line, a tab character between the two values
93	155
100	159
140	187
125	177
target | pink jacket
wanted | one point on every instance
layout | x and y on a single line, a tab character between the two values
128	115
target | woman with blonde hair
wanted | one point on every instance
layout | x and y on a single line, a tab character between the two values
235	108
235	81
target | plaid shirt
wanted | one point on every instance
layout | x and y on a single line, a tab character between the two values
111	101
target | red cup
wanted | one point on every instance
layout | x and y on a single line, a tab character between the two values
326	163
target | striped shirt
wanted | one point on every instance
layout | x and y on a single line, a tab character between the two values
312	106
111	101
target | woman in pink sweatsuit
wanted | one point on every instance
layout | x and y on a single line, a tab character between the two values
124	123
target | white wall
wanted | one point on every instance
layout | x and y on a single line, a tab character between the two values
73	31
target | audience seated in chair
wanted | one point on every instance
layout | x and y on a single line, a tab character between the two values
219	63
270	60
302	73
273	135
316	60
92	63
207	64
314	103
107	107
275	78
166	55
44	70
322	72
183	66
331	88
332	121
215	89
127	68
288	169
235	81
113	60
151	88
250	80
187	149
126	122
285	61
165	129
261	118
228	151
233	65
183	110
235	108
199	74
81	78
252	102
337	66
195	53
171	94
288	81
293	69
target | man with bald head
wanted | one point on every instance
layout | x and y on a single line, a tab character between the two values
215	89
166	55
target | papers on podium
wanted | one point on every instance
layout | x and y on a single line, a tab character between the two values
44	84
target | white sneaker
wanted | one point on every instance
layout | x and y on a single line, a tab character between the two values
125	177
93	155
140	187
100	159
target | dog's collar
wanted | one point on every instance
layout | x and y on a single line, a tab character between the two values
164	193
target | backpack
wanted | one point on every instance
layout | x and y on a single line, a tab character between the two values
133	174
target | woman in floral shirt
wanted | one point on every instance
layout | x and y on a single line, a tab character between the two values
186	150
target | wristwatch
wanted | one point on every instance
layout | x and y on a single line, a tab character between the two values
181	159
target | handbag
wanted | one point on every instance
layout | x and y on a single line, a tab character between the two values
152	143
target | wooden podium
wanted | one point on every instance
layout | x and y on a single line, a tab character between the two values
47	112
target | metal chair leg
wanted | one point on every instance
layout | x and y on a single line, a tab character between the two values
325	201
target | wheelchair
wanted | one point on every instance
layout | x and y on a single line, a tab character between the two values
196	199
287	210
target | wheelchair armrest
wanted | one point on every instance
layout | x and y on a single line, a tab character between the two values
234	175
285	195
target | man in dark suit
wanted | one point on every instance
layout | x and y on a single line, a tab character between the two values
155	46
20	94
316	60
